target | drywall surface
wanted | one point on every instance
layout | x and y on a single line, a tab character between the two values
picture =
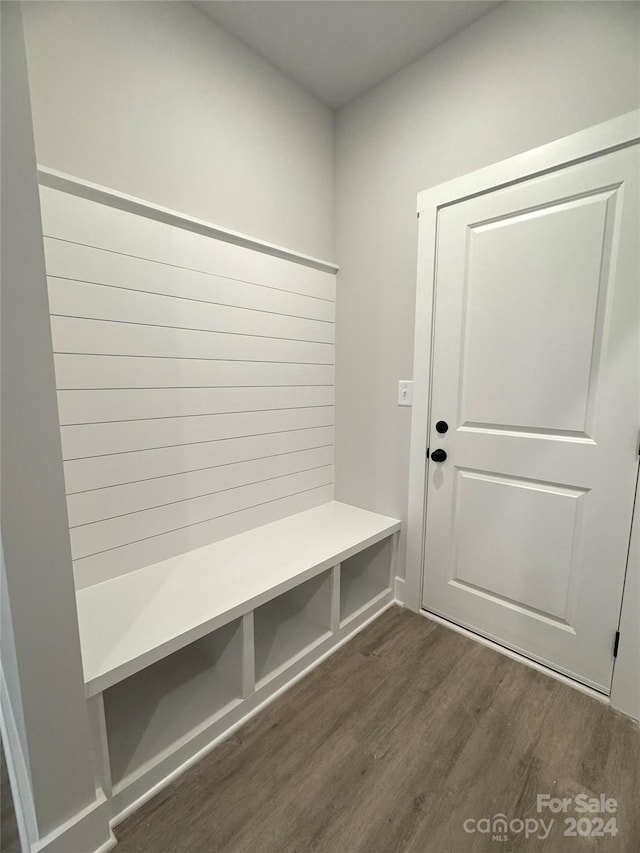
43	654
154	99
521	76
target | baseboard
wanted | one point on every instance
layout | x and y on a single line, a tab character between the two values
399	588
86	831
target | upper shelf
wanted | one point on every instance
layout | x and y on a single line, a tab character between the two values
134	620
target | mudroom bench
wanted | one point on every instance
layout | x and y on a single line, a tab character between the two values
179	653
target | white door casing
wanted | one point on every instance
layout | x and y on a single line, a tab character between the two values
536	369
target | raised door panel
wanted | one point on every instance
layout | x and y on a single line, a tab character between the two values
532	298
516	541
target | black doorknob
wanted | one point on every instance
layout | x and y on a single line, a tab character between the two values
439	455
442	427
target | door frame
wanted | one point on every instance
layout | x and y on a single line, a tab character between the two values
611	135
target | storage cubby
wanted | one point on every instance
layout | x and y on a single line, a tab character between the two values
291	624
163	700
364	577
155	709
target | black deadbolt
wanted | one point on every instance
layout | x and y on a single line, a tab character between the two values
442	427
439	455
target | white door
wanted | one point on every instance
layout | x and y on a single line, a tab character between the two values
536	372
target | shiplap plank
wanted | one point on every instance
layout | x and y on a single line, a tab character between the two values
100	472
82	407
118	500
115	532
71	334
195	383
121	436
88	264
79	220
94	301
74	371
109	564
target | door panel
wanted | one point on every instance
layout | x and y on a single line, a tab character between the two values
536	369
528	527
554	255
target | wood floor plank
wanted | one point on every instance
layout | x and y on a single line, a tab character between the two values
389	746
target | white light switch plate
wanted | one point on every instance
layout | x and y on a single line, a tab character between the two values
405	392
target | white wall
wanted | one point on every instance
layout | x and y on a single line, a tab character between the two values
155	100
523	75
40	656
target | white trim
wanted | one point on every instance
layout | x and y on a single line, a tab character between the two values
335	598
17	769
616	133
625	687
80	832
420	412
104	195
610	135
516	656
108	845
86	826
98	725
399	585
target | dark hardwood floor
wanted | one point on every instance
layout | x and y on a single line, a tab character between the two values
390	746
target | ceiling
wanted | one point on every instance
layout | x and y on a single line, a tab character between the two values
337	49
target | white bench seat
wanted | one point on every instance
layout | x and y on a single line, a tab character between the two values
132	621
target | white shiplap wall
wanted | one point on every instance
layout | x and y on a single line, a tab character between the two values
195	383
